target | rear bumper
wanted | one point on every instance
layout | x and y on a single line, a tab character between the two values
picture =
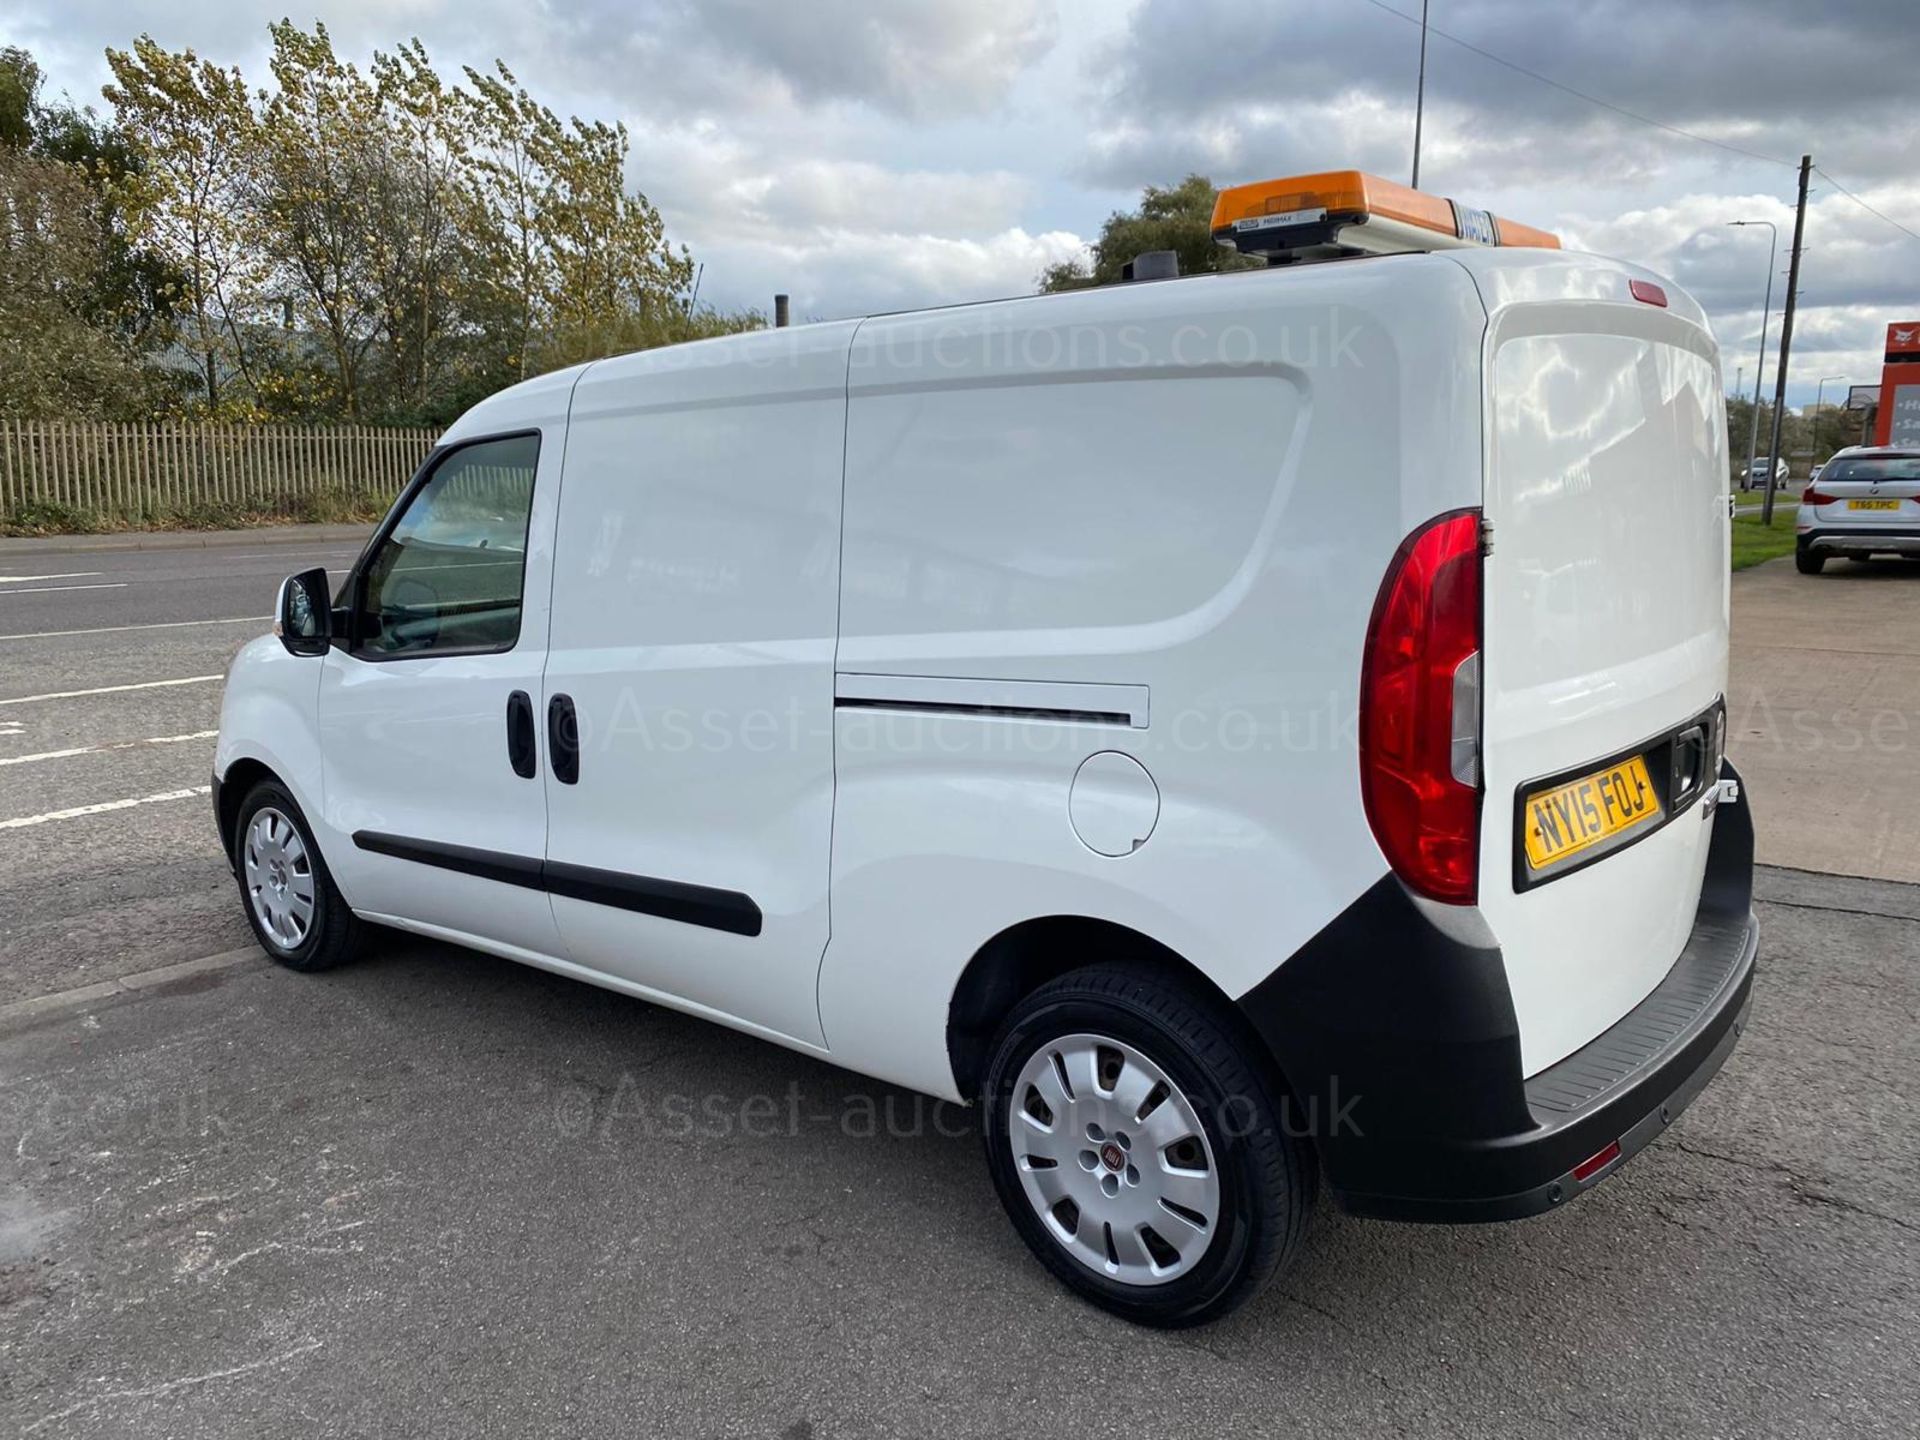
1417	1104
1860	540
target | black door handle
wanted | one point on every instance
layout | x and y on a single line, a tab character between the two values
563	739
520	741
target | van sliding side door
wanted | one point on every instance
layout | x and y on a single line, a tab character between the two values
688	699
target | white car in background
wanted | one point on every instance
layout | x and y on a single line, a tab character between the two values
1864	502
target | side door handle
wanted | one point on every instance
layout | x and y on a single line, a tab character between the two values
563	739
520	738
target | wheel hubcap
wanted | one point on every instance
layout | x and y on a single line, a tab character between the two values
279	876
1113	1159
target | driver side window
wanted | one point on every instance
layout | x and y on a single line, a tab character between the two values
447	579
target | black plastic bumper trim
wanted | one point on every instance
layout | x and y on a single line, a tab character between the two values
220	823
1401	1046
702	905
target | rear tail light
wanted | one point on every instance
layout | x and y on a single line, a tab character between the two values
1813	495
1420	710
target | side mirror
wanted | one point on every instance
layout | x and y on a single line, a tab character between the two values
303	615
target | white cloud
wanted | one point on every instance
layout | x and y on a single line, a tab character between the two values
867	154
832	274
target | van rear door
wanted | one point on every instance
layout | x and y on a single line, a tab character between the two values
1606	591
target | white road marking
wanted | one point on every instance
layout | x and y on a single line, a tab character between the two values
113	689
111	745
61	575
49	589
156	625
78	811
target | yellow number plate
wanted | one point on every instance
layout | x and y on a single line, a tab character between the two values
1873	504
1577	816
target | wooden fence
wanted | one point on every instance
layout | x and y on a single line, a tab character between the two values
149	471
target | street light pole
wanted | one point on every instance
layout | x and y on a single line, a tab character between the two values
1420	95
1819	395
1766	309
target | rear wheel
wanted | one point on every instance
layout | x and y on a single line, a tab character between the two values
1808	563
1139	1150
296	912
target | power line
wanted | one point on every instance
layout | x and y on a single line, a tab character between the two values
1635	115
1915	235
1583	95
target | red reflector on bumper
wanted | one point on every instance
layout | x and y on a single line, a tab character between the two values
1647	293
1594	1164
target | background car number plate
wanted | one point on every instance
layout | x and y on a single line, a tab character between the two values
1873	504
1582	813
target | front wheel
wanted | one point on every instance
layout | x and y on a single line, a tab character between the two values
1808	563
1139	1150
296	911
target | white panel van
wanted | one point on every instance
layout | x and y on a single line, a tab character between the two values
1239	732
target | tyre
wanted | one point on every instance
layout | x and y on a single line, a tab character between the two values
1139	1150
296	912
1808	563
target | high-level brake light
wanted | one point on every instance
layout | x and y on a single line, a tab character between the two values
1345	212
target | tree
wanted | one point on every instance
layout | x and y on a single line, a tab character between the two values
428	207
193	127
135	293
514	134
53	363
319	197
1175	218
19	96
77	302
583	263
422	243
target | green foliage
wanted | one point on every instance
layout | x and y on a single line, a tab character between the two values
1754	543
77	301
1172	218
1807	437
373	244
19	96
45	517
53	362
194	131
134	292
327	507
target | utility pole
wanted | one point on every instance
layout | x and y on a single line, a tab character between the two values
1420	95
1786	336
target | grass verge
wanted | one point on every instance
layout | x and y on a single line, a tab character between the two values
336	507
1754	543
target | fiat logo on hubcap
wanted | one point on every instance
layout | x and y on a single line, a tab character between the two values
1112	1156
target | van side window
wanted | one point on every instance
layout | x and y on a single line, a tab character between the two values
448	576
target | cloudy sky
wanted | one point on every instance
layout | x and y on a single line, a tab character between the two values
876	154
